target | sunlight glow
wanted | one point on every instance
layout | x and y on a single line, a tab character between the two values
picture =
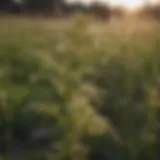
125	3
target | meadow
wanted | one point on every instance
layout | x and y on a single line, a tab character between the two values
95	85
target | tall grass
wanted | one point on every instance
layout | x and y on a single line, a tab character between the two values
83	79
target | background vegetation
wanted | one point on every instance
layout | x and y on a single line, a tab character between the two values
79	89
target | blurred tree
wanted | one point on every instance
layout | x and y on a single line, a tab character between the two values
52	6
118	12
100	11
4	4
150	11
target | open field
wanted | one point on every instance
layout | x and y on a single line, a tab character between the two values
43	32
84	79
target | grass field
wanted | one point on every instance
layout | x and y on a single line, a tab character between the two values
119	61
43	32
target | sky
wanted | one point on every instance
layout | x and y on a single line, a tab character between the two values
125	3
128	3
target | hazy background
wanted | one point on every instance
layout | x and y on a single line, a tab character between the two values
79	82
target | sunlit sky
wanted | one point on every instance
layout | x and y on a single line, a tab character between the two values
126	3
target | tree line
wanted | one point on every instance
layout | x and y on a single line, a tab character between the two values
60	8
53	7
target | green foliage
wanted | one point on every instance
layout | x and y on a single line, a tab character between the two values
98	95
